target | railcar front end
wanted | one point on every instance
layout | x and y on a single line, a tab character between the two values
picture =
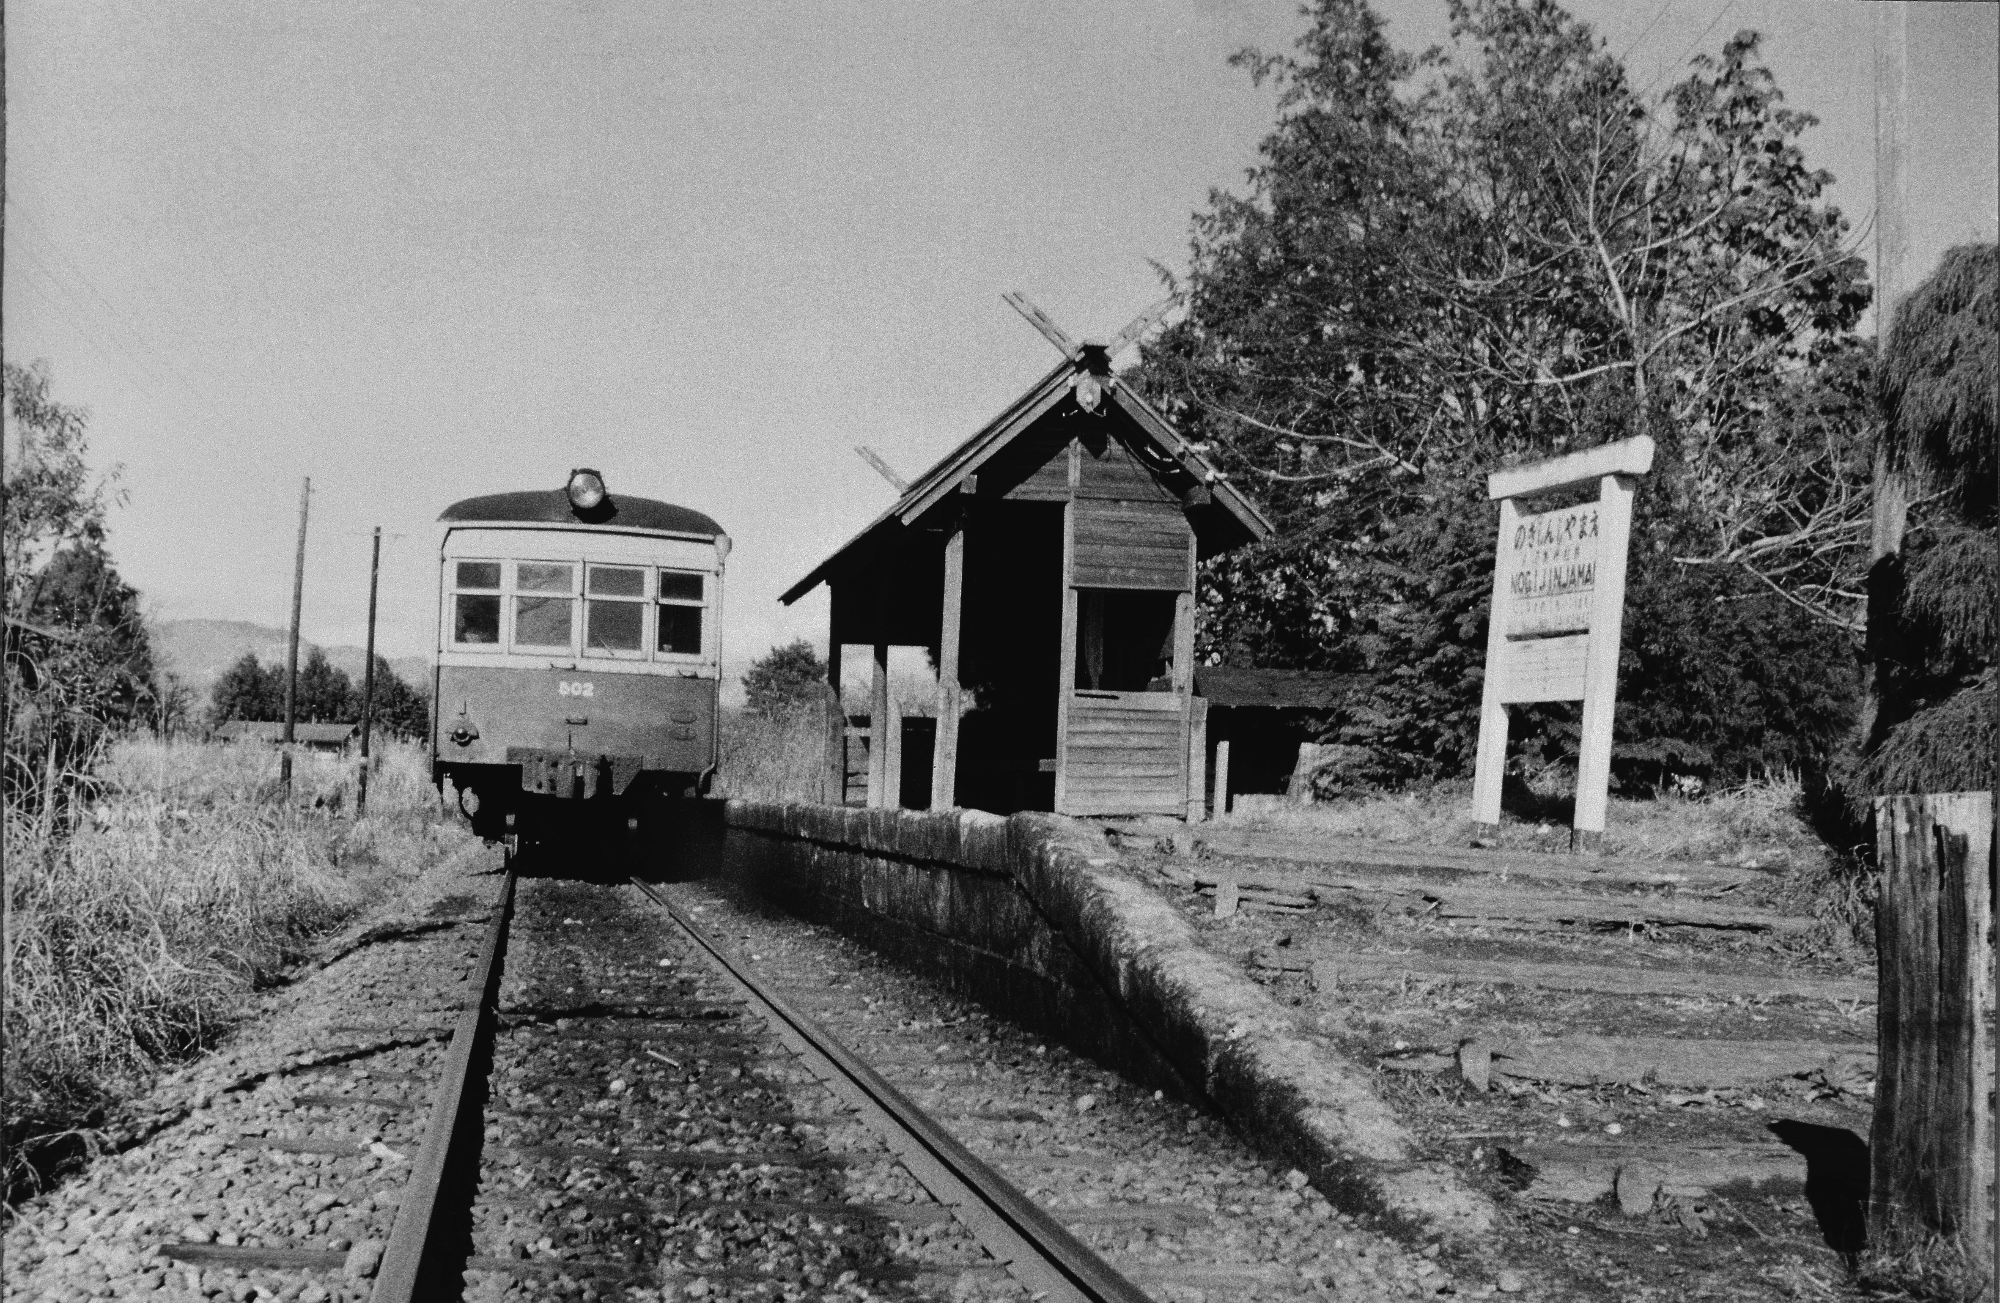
578	657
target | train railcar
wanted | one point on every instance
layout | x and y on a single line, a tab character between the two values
578	656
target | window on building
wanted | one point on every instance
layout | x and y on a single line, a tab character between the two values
544	602
681	598
475	603
1124	640
614	611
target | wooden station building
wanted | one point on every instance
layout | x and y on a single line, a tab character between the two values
1048	566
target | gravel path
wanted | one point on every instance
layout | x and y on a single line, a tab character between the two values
259	1155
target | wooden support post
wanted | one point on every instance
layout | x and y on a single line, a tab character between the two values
1931	1147
878	726
1181	672
1183	667
1600	672
1492	754
890	731
1197	762
944	753
1222	778
1066	653
833	777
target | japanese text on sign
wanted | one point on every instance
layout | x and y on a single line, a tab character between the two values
1551	572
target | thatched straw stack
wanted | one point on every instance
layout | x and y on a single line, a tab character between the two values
1940	371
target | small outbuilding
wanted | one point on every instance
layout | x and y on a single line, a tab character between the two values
317	737
1047	565
1263	726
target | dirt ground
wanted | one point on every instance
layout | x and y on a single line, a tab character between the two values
1665	1111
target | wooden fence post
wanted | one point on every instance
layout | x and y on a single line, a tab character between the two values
1197	761
1931	1147
1299	788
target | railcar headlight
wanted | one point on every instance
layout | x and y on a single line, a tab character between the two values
586	489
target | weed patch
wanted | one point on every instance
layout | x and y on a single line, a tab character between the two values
775	757
132	938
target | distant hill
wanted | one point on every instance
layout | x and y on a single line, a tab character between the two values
200	650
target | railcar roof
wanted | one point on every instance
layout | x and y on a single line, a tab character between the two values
553	507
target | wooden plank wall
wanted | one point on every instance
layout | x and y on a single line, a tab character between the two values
1034	468
1126	754
1108	469
1122	544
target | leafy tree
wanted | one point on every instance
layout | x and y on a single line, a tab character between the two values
1498	251
77	663
785	678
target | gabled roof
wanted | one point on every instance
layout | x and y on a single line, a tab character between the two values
1045	396
553	507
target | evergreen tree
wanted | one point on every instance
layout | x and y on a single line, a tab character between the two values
1499	251
248	691
1940	620
325	694
400	709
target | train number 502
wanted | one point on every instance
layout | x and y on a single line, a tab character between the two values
571	688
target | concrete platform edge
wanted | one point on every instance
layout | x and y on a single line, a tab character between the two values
1291	1093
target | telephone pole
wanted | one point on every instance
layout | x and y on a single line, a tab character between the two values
1891	493
292	647
368	676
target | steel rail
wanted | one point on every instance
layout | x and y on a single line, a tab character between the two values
1038	1250
412	1237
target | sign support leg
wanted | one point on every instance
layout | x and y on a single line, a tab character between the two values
1600	675
1491	759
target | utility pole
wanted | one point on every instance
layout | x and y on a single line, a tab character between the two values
292	648
368	676
1891	492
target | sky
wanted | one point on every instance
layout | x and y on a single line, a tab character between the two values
422	252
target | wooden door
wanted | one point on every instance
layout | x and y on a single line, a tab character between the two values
1127	635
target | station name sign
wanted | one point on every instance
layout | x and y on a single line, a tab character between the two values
1558	612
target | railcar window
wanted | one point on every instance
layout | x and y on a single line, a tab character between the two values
680	604
475	615
614	613
479	574
542	618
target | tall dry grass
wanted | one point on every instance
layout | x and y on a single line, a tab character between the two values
772	757
131	941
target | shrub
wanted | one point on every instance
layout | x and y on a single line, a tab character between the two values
785	678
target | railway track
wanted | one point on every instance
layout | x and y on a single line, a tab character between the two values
545	1087
657	1118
